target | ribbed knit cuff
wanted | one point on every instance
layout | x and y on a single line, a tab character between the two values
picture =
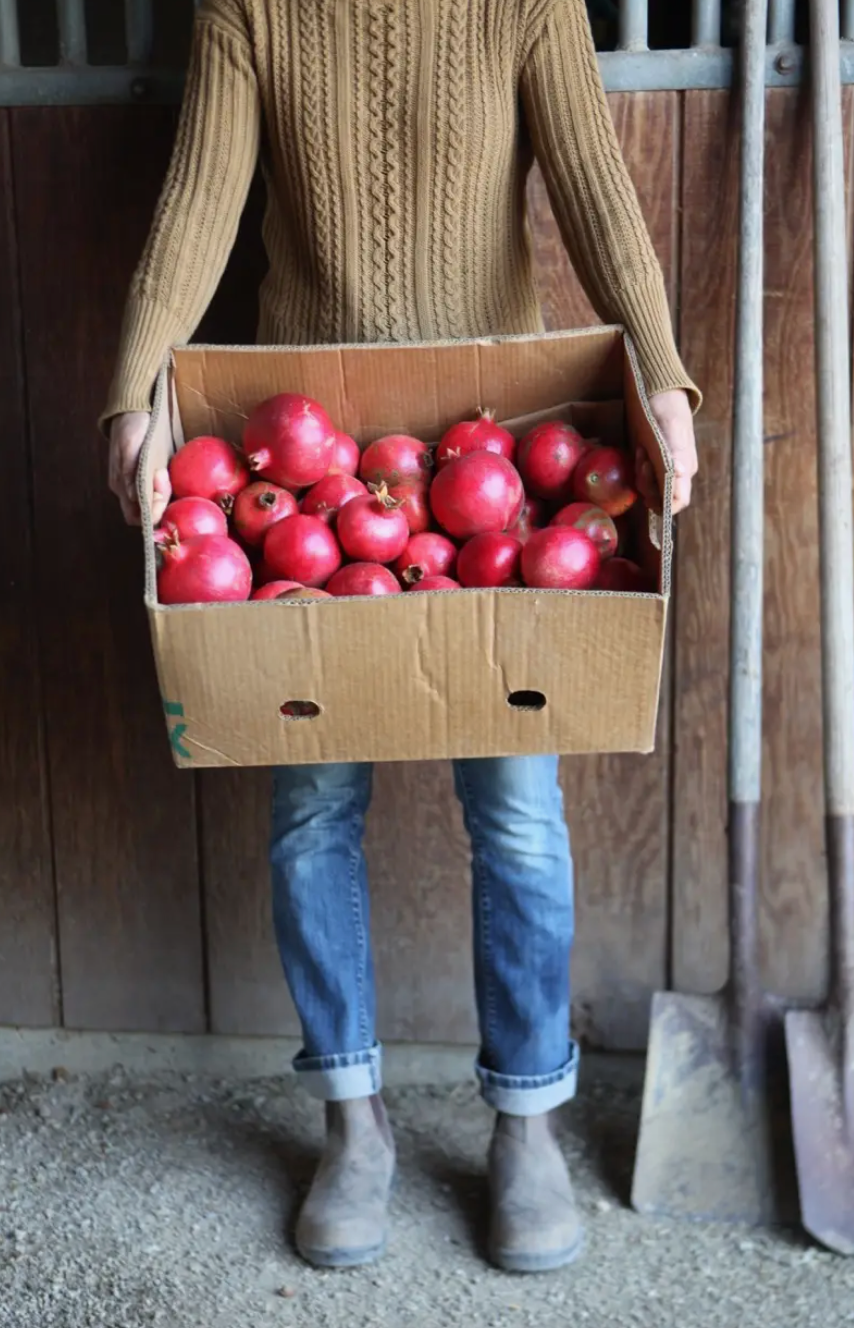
647	319
149	330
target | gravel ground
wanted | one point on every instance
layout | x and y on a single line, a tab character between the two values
168	1201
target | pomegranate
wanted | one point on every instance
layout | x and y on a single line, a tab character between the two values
436	583
257	508
207	468
276	589
480	435
398	461
204	569
547	459
373	529
490	560
594	522
289	439
346	455
416	509
534	516
619	574
605	476
364	579
326	498
560	558
302	548
187	517
427	554
479	493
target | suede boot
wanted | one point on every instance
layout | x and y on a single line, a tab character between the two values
535	1223
343	1222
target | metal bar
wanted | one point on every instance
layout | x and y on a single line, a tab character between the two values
71	18
634	25
706	23
848	20
748	453
781	21
10	46
139	31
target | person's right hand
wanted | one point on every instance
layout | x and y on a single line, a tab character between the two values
127	434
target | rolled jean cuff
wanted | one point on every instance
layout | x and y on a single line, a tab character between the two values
341	1078
530	1095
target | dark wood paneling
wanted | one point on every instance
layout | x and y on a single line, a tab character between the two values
28	993
123	817
618	806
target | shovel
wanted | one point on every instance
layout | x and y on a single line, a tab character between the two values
821	1046
713	1108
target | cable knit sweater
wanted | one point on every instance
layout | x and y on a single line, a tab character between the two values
395	137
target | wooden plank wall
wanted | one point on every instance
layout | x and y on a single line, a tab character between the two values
135	897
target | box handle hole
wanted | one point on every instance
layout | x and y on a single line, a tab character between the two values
527	700
294	710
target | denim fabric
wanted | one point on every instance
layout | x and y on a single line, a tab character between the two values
523	927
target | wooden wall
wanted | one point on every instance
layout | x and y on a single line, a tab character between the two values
135	897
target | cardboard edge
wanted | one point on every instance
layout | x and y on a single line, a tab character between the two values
604	330
664	469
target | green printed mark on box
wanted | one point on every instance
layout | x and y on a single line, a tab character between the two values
174	710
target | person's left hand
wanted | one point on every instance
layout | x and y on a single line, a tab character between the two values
672	412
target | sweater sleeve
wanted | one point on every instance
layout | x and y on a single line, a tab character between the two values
592	194
197	216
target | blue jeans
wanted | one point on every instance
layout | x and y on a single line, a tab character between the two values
523	927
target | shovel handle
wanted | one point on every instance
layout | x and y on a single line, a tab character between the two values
833	381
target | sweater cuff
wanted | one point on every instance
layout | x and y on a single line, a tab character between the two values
149	331
647	319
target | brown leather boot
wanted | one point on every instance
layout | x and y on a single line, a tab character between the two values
343	1222
535	1222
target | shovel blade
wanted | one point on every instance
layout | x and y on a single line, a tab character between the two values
709	1146
824	1148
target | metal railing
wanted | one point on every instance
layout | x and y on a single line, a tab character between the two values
632	67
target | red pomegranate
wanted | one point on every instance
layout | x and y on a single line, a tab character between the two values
605	476
207	467
534	516
205	569
363	579
187	517
398	462
560	558
276	589
416	508
491	560
326	498
427	554
479	493
548	456
480	435
258	507
346	455
435	583
594	522
289	439
373	529
302	548
621	575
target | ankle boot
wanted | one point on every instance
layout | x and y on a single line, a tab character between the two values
535	1223
344	1219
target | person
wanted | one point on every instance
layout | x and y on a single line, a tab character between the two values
395	137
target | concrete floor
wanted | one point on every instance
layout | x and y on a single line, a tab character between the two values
166	1199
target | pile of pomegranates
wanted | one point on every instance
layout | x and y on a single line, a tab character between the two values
299	512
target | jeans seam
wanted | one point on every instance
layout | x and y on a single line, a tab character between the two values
483	907
356	901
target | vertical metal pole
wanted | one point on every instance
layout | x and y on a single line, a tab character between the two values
10	47
781	21
748	497
706	23
848	19
71	16
139	31
634	25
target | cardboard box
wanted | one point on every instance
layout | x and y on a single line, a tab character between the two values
411	677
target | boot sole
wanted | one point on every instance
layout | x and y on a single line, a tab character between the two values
342	1258
511	1262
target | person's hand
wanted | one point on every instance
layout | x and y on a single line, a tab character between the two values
127	434
672	412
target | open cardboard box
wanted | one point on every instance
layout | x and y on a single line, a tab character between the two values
410	677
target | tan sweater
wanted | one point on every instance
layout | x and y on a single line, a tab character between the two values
395	137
